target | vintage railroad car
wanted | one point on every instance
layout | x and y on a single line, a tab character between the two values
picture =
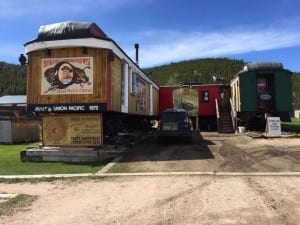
198	100
261	90
84	86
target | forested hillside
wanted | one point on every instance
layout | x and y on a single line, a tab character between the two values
13	77
296	90
202	71
195	71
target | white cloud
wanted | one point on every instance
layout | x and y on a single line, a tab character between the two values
180	46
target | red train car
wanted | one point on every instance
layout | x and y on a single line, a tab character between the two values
198	100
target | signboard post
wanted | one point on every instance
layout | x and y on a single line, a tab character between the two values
273	127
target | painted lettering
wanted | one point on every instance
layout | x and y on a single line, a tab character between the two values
76	108
41	109
60	108
93	108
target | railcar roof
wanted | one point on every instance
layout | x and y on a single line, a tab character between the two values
69	30
79	34
262	66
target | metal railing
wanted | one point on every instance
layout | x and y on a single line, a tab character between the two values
233	114
217	109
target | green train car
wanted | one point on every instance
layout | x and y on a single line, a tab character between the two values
261	90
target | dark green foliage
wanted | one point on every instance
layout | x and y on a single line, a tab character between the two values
296	90
202	70
196	71
12	79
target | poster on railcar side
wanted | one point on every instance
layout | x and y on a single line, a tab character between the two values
65	76
72	130
141	95
186	98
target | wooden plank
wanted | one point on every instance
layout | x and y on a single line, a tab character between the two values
25	131
83	130
35	77
116	84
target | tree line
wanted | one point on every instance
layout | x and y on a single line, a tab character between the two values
197	71
13	79
203	71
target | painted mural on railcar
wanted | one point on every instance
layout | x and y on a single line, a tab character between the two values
67	76
186	98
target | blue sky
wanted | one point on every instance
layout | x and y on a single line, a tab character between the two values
167	30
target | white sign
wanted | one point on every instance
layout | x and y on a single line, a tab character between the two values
273	127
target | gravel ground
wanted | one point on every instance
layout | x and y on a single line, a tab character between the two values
176	199
212	152
161	200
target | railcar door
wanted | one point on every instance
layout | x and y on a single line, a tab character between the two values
265	96
224	97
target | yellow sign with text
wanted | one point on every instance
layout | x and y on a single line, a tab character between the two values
73	130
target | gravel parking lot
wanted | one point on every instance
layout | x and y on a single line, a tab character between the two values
177	199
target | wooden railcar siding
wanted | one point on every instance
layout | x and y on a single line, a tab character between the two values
133	107
116	66
100	59
235	93
155	102
132	103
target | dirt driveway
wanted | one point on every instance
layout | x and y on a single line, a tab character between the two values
213	152
180	199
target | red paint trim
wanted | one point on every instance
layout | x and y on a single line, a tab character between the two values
165	98
208	108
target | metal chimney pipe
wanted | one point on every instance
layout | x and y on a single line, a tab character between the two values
136	53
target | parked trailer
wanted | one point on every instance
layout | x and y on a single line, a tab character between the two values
84	86
261	90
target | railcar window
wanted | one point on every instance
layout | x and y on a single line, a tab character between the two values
204	96
261	84
123	83
133	82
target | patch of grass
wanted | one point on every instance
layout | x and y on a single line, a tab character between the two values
10	164
69	180
121	167
293	126
19	203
